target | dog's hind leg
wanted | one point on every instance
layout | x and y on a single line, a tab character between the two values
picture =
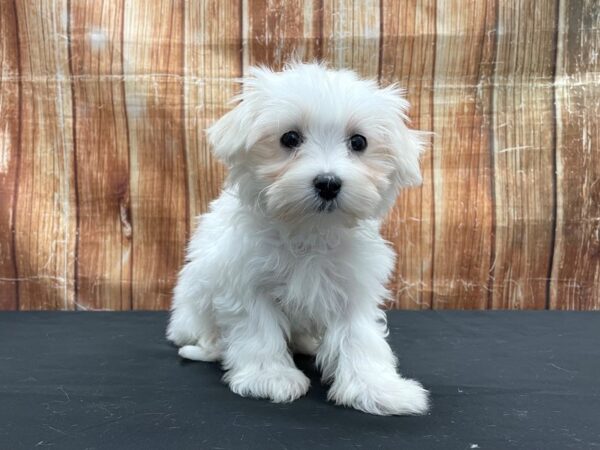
304	341
207	351
192	324
304	344
199	338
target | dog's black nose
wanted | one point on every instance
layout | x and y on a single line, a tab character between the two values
327	185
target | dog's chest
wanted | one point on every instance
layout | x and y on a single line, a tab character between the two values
313	280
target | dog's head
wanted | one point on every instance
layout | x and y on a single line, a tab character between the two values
310	142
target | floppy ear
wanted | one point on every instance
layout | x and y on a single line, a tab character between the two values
228	136
406	145
236	132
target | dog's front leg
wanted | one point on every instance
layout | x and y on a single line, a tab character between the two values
355	356
257	359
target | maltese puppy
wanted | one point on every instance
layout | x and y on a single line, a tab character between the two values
290	258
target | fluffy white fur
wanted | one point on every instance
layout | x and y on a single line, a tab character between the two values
274	269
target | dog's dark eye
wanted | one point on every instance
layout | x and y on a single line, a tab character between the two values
291	139
358	143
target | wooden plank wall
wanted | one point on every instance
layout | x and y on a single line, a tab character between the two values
104	163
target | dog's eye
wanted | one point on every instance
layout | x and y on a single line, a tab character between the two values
291	139
358	143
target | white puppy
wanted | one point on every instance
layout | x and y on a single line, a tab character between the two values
290	257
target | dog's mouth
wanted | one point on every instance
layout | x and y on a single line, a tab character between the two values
327	206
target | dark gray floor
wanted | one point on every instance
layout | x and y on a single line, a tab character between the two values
499	380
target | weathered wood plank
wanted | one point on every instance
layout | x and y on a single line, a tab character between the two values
351	35
104	162
153	69
46	210
462	166
275	31
576	269
101	152
213	60
523	133
10	96
408	50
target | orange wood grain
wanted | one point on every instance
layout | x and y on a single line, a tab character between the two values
351	35
461	159
408	50
10	126
45	222
104	163
523	148
102	158
213	61
153	70
576	270
277	30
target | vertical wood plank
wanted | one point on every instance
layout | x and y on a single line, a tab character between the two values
408	51
576	269
103	107
153	69
9	151
104	238
351	35
276	30
213	61
462	165
523	130
46	208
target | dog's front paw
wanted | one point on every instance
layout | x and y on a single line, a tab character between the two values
388	396
279	384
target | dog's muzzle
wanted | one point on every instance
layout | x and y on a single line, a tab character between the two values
327	186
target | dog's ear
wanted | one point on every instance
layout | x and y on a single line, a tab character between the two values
236	132
406	145
228	136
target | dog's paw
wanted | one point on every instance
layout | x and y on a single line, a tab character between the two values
393	396
199	352
180	337
305	344
279	384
